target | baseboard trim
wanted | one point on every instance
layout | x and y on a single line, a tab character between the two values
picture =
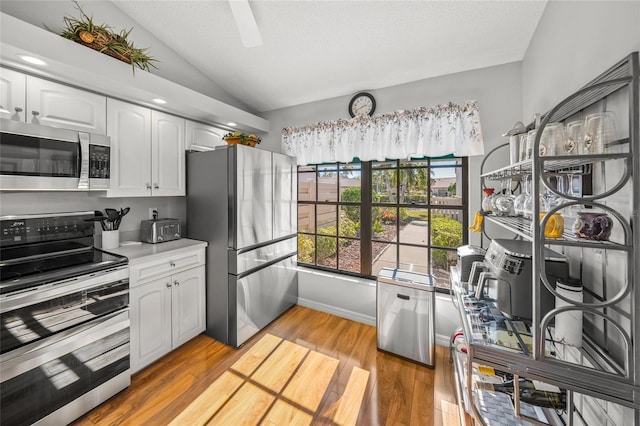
443	340
344	313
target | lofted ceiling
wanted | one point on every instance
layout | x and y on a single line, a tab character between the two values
314	50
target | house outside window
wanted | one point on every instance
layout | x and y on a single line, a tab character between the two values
357	218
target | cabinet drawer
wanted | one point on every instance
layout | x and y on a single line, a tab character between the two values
166	264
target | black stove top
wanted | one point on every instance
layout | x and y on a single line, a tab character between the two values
33	254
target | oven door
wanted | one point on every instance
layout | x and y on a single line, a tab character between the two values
48	379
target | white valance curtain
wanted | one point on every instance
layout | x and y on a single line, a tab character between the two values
422	132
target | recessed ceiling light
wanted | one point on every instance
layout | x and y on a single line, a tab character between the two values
232	124
32	60
159	101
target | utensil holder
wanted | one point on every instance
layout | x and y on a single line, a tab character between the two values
110	239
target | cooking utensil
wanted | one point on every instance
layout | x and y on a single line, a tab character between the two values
100	219
123	213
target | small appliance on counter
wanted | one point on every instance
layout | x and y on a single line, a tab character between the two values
466	256
509	273
160	230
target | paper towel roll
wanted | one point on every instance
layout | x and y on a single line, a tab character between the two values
569	324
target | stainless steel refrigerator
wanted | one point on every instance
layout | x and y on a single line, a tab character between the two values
242	201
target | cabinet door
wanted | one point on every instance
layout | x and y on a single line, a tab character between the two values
12	94
168	153
57	105
188	305
129	127
201	137
150	310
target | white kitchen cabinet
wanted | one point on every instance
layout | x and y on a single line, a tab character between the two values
201	137
12	94
167	306
57	105
32	99
147	151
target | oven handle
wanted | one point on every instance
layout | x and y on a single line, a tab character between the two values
45	292
83	181
28	357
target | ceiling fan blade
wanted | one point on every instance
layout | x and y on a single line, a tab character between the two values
246	23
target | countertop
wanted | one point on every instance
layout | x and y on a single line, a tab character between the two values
141	252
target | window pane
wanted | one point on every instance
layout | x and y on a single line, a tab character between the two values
384	223
446	228
328	182
306	248
326	219
441	260
413	259
349	221
384	164
350	182
326	251
383	184
384	255
414	226
413	186
306	218
446	183
414	163
306	186
349	255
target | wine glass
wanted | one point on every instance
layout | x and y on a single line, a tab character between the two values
531	138
518	203
599	129
575	133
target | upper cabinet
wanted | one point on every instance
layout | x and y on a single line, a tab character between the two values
57	105
201	137
31	99
147	151
12	94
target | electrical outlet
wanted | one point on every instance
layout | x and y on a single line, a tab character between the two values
153	210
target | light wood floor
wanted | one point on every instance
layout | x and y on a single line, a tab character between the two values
305	367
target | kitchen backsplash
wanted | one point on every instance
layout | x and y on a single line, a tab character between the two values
54	202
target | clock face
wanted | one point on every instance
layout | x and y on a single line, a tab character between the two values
362	104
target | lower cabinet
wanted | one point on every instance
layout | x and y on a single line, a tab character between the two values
165	313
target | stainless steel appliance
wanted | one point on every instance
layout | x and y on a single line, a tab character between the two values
509	277
160	230
35	157
64	320
405	315
466	256
242	200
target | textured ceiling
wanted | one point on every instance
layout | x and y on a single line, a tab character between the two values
317	50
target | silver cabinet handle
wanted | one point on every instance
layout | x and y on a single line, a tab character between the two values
168	285
155	186
35	113
176	283
148	185
18	109
173	265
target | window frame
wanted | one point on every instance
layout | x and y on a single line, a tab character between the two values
366	206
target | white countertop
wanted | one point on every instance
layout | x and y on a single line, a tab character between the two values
141	252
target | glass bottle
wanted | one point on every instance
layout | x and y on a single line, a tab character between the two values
529	394
487	200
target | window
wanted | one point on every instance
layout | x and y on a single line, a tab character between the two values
360	217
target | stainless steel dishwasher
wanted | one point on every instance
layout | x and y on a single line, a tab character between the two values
406	315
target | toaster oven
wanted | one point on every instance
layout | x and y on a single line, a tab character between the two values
160	230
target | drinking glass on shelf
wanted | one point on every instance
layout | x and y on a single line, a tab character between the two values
600	129
527	209
531	138
518	203
575	133
552	139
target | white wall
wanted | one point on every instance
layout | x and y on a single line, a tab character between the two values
50	202
497	91
575	41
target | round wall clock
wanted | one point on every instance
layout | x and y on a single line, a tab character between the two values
362	103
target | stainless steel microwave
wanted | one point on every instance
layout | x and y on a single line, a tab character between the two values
43	158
